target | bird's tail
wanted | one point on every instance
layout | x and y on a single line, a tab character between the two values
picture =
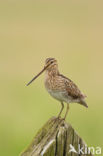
82	102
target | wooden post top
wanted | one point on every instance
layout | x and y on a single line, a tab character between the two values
56	138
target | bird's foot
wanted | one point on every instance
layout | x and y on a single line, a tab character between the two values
58	117
63	119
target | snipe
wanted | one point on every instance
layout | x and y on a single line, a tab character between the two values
60	87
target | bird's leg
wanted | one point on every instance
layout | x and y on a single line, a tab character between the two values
61	109
66	111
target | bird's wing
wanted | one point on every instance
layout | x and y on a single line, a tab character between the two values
72	88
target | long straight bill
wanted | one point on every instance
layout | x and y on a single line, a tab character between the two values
37	76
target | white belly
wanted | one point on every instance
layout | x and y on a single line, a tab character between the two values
56	95
61	96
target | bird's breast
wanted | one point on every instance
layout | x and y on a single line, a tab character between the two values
54	82
50	83
55	87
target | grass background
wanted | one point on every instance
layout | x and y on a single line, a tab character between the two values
31	31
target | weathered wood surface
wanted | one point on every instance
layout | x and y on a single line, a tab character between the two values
55	139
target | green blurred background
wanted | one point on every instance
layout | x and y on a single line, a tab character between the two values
31	31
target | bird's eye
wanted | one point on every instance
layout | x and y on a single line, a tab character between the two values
51	61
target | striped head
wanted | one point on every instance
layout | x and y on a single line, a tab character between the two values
50	64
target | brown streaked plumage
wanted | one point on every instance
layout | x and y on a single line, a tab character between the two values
59	86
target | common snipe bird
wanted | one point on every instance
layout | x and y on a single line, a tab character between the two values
60	87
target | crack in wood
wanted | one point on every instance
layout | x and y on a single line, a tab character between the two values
65	144
56	145
72	141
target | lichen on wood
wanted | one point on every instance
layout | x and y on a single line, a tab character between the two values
54	139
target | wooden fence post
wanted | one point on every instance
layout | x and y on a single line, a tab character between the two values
56	138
